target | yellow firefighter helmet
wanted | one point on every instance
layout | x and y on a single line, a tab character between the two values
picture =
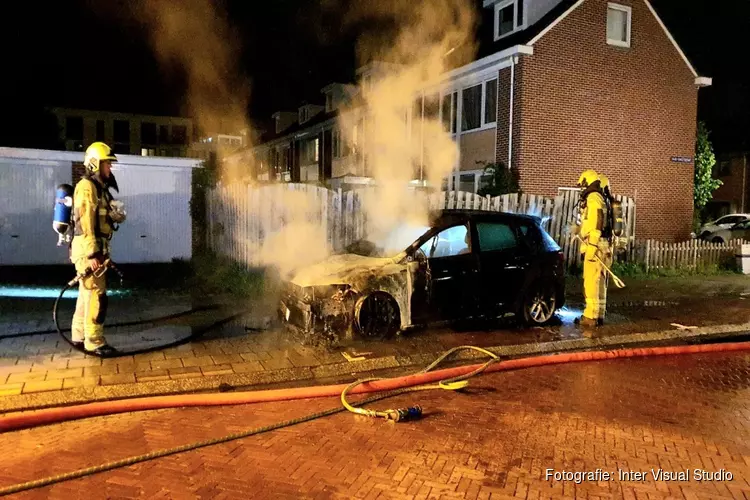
96	153
603	181
587	178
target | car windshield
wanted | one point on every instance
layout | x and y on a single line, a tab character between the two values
393	244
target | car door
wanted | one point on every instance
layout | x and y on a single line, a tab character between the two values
741	231
451	273
503	263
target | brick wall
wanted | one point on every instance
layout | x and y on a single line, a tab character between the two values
581	103
734	185
78	171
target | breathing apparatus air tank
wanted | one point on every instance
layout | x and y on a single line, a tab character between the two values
61	221
617	223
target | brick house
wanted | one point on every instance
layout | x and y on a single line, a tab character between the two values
570	85
732	197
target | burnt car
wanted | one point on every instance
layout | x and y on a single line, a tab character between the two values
466	264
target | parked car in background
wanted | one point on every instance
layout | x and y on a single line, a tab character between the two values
466	264
740	231
707	231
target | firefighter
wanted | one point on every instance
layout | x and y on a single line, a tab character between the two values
95	215
594	222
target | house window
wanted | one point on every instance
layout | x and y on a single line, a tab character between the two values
163	134
311	150
432	107
74	128
336	143
471	110
490	101
148	133
448	110
724	169
100	130
618	24
509	17
179	134
121	131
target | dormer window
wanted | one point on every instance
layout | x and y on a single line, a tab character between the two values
509	17
329	103
304	114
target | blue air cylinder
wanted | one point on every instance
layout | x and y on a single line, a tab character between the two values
63	209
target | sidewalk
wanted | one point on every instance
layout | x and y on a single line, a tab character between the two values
42	370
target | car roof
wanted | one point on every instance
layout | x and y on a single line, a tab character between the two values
462	214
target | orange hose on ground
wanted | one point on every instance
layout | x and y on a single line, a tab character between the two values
23	420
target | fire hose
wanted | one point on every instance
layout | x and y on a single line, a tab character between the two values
449	378
109	265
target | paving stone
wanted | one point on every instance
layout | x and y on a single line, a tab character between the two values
70	383
223	359
198	361
42	386
152	375
165	364
276	363
247	366
99	370
185	372
26	377
216	369
11	389
118	379
84	362
68	373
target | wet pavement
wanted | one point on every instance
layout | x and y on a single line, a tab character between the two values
509	435
41	370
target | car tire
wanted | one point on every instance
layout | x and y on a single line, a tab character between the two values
377	316
717	240
539	305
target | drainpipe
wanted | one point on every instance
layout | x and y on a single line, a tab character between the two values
421	143
513	61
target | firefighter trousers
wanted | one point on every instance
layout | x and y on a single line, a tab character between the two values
595	281
91	309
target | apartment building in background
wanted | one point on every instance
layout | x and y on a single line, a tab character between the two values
143	135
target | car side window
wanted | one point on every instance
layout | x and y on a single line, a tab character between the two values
495	236
449	242
731	220
530	236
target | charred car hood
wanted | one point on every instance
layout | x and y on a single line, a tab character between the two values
341	269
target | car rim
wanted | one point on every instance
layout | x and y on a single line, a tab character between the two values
542	308
376	316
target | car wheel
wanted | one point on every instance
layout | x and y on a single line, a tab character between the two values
376	315
717	240
539	305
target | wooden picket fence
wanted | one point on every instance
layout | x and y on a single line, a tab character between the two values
694	254
241	217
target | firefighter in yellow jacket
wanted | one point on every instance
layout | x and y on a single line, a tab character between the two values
594	221
95	215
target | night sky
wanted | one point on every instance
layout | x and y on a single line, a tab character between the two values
61	53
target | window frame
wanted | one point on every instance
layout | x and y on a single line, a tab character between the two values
629	16
516	25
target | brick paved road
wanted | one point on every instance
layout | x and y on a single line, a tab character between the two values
496	441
